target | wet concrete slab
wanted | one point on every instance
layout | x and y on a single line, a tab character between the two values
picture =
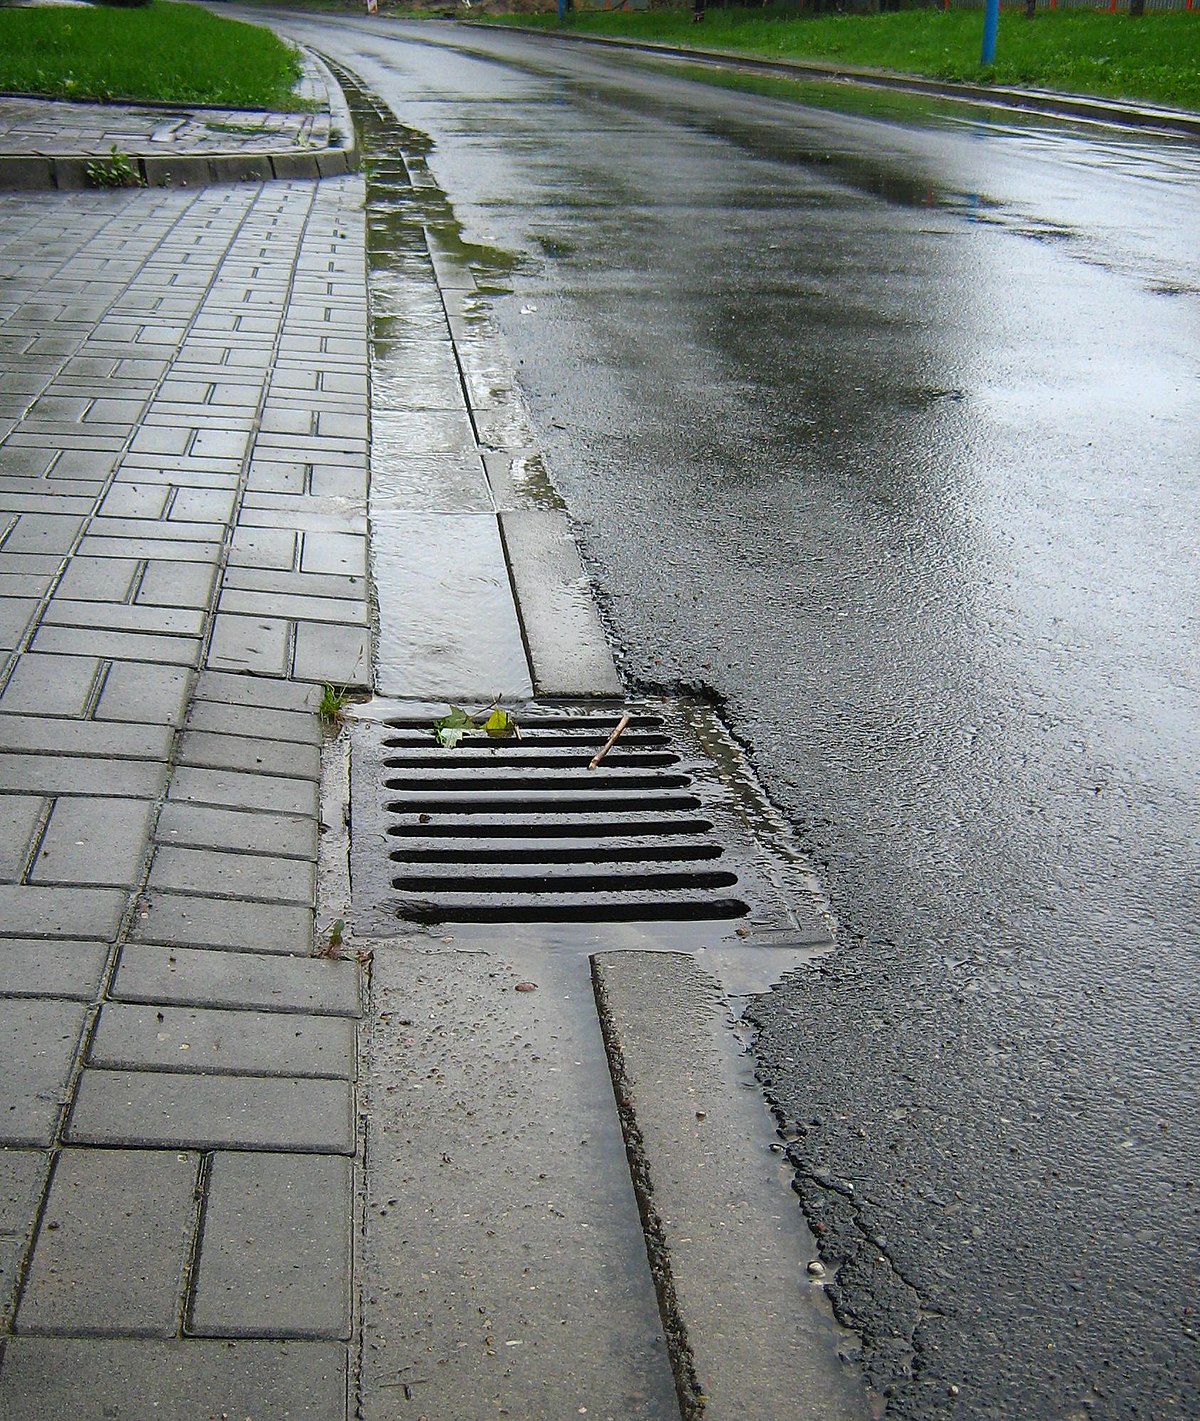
754	1327
432	483
568	649
503	1265
291	1381
447	624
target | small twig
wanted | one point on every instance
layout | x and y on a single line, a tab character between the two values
622	726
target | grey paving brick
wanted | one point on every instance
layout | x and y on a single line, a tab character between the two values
99	579
220	443
338	481
253	981
22	1179
16	613
50	685
208	1041
61	435
36	735
229	392
166	1109
270	477
341	426
27	586
150	547
275	1250
154	439
233	790
264	547
257	878
261	645
299	607
33	968
174	584
114	411
203	505
333	652
176	390
174	621
277	420
259	722
114	1240
129	500
296	584
162	529
257	755
67	1379
142	692
242	690
198	921
20	819
40	1041
344	553
118	645
94	841
199	826
43	533
335	382
29	911
142	367
288	380
267	510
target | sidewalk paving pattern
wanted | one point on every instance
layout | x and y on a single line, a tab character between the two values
231	1183
182	563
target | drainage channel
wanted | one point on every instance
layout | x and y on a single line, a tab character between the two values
666	828
544	931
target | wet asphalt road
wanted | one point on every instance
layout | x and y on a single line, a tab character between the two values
887	434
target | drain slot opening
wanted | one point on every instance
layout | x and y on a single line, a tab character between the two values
564	826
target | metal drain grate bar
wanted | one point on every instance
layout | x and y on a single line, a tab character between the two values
518	851
522	830
631	828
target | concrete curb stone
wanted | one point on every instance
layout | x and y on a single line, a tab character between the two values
66	168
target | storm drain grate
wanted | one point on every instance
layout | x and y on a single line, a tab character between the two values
523	831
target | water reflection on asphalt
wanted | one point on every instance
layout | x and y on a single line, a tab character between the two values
886	435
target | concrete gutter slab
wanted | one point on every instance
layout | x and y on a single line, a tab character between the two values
752	1332
503	1270
447	625
568	651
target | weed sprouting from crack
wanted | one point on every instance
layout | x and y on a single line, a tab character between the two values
116	170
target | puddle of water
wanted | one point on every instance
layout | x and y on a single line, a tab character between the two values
777	854
521	480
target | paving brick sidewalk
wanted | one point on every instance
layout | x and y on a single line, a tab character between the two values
183	476
47	143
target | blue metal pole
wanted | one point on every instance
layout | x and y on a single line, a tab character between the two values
562	9
991	23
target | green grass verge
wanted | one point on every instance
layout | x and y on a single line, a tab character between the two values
1155	58
168	52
